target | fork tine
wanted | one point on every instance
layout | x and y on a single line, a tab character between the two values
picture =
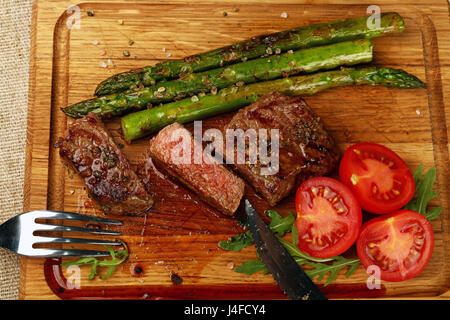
54	227
59	215
46	240
55	253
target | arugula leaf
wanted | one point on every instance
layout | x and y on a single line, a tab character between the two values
294	236
424	193
433	213
295	252
118	257
331	266
332	269
278	225
319	268
418	174
251	267
237	243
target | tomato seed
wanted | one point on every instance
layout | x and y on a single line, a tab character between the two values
354	179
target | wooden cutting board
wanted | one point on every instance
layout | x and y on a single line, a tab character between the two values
180	235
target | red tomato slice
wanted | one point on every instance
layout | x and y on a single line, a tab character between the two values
328	217
377	176
400	244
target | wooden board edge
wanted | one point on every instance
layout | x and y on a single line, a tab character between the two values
32	89
436	102
29	145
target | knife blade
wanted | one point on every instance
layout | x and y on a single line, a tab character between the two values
290	277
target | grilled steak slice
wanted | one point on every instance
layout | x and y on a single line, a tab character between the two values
305	148
111	182
174	150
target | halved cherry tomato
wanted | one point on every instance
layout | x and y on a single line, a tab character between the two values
328	217
377	176
400	244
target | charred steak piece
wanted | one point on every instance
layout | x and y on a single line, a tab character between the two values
112	184
174	150
305	148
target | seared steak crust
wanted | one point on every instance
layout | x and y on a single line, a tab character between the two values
305	148
112	184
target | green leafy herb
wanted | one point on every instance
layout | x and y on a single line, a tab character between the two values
237	243
294	236
252	266
118	257
433	213
424	193
293	251
279	225
332	269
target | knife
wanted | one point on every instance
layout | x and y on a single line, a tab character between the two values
290	277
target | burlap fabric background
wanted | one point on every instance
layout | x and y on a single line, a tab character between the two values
15	21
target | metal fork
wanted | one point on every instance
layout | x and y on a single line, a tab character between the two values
17	234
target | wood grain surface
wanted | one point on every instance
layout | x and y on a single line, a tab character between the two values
180	235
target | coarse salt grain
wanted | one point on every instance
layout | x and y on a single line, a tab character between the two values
103	64
284	15
418	112
95	42
168	55
194	99
102	52
163	49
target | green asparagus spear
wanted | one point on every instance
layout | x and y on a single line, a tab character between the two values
306	60
139	124
292	39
